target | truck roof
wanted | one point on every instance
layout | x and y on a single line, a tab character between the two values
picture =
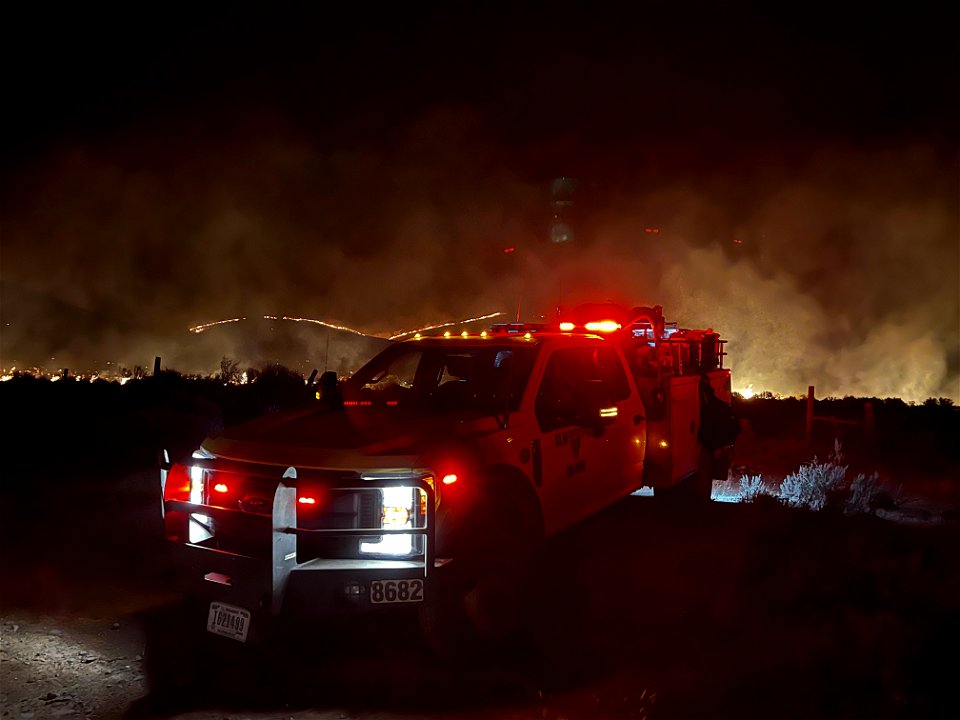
503	339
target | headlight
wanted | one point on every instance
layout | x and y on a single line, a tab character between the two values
400	505
201	526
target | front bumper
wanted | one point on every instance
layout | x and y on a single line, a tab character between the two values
273	584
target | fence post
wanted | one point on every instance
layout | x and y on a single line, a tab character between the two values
809	429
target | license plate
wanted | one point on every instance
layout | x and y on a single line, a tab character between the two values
396	591
228	620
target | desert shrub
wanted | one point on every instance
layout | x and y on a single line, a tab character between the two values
823	485
816	484
863	493
752	488
867	495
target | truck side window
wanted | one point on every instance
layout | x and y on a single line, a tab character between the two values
400	372
612	374
556	401
577	382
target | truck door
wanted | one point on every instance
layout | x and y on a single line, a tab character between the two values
586	448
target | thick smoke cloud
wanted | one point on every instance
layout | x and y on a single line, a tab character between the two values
845	275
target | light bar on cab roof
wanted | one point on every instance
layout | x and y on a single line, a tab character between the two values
604	326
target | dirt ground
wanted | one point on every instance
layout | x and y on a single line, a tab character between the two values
646	611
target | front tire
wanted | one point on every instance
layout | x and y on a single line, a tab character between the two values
702	490
479	601
694	490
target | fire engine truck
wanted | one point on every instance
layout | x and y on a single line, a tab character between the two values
429	477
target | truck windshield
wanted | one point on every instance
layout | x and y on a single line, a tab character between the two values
487	378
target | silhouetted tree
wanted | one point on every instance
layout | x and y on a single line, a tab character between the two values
280	388
229	371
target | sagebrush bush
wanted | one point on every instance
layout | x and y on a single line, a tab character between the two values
815	485
820	485
752	487
867	495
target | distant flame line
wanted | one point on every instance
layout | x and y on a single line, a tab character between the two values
197	329
200	328
332	326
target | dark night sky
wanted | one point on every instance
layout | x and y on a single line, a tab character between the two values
164	168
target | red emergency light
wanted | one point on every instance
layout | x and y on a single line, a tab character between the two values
604	326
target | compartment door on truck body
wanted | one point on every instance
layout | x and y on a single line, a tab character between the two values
684	424
583	460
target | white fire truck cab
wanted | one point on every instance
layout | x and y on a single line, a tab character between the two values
438	468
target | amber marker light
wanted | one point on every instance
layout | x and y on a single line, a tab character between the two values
567	327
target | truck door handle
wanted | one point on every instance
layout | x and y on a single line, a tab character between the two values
637	419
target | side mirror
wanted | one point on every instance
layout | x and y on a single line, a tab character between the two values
330	388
